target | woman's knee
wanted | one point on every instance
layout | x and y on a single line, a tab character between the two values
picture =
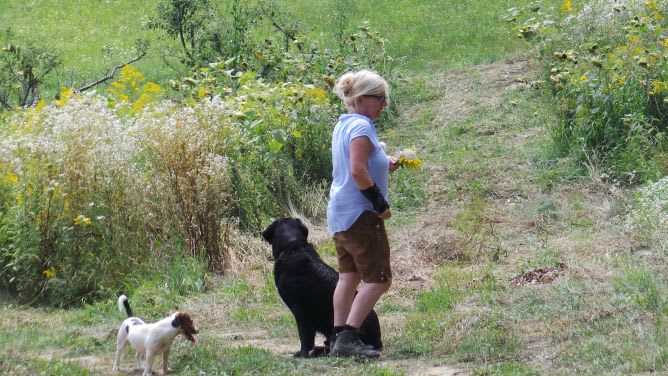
348	281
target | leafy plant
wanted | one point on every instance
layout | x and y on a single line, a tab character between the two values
607	68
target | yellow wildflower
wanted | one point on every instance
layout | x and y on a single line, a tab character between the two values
583	78
49	273
140	103
82	220
319	96
11	178
658	87
64	95
202	92
567	6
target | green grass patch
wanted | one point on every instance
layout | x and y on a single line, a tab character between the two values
644	288
490	341
511	368
13	364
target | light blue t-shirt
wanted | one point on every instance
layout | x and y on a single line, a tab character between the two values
346	202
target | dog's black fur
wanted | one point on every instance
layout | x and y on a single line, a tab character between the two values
306	285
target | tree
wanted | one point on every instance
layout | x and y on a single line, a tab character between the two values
187	21
22	72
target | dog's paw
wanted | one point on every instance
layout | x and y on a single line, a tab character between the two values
301	354
317	351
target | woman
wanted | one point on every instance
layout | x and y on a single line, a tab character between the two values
357	208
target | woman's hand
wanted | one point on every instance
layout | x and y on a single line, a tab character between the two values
394	165
385	215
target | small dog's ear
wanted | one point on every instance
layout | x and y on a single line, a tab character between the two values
177	321
268	233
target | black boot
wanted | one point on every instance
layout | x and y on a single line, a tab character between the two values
348	343
329	344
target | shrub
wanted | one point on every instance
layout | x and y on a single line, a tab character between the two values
91	194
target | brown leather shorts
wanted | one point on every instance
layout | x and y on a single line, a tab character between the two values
364	249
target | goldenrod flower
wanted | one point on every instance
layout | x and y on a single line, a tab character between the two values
567	6
409	159
152	87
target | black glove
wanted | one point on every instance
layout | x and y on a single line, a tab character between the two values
377	200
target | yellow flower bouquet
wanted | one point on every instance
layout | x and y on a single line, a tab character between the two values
408	158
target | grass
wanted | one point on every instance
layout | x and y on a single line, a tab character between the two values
428	35
431	35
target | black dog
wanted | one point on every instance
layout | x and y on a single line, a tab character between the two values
306	285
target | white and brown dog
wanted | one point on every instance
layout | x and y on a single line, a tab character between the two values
151	340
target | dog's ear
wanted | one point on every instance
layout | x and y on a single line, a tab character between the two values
177	321
268	233
302	227
180	318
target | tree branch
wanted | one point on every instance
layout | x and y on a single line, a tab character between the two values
111	75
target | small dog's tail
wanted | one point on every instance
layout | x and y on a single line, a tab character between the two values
123	303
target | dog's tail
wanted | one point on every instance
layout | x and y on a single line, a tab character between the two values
123	303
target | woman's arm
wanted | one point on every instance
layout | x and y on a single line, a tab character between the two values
360	148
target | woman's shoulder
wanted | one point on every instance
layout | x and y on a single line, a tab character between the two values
356	124
354	119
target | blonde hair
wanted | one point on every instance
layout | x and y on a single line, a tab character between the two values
354	84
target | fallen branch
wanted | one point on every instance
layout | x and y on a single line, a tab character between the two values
110	75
